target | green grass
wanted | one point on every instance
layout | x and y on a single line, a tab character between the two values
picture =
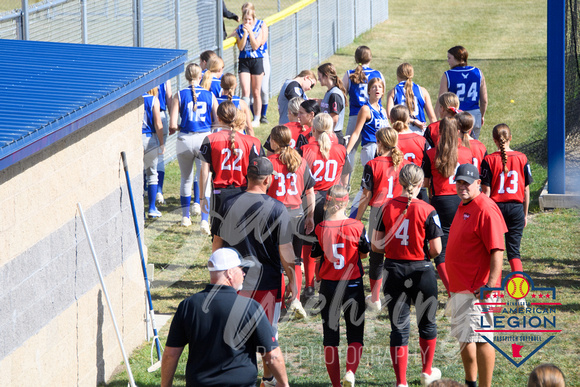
508	42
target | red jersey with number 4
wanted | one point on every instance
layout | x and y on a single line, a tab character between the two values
413	147
299	136
382	178
407	236
510	187
288	187
441	185
326	173
229	167
478	151
339	242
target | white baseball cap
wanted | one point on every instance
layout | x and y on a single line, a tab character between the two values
226	258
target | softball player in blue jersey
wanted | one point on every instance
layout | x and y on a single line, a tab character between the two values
153	145
196	108
355	82
415	97
468	83
211	78
165	95
228	86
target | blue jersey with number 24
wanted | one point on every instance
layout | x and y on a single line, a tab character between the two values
465	82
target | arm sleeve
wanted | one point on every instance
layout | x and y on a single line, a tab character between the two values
335	104
528	174
205	150
380	225
316	250
433	226
492	226
308	178
267	145
363	243
429	140
293	90
177	336
300	142
426	166
227	13
485	173
367	179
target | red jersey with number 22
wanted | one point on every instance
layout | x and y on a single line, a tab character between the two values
440	184
326	172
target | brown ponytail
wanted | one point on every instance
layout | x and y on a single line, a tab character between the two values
447	152
405	71
282	136
328	70
388	138
410	177
192	73
465	121
502	134
400	118
228	84
214	66
362	56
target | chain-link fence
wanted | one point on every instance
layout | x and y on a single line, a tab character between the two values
299	38
572	85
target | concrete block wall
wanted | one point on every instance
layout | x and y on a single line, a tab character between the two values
54	321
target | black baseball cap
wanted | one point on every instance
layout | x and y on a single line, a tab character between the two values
467	173
260	166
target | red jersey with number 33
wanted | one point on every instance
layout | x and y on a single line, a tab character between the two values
340	241
510	187
229	167
413	147
441	185
382	178
326	172
288	187
406	236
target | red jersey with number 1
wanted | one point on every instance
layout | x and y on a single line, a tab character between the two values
413	147
479	151
229	168
382	178
326	172
510	187
441	185
288	187
407	236
339	242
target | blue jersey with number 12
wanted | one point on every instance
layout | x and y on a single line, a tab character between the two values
465	82
198	120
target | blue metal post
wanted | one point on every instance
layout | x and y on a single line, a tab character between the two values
556	96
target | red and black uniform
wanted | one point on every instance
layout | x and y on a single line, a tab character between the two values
443	193
300	136
414	146
432	134
477	229
339	243
229	168
406	252
289	188
508	192
479	151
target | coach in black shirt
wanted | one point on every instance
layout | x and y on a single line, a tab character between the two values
224	331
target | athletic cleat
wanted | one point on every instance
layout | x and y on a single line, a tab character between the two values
428	379
159	198
268	383
204	226
256	123
185	221
298	309
196	209
374	306
264	120
154	213
348	380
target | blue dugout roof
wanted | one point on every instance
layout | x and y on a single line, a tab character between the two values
50	90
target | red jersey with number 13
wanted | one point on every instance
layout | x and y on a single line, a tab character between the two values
510	187
326	172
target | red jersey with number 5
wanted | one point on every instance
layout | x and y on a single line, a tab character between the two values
339	243
406	236
382	178
413	147
506	187
229	167
326	172
441	185
288	187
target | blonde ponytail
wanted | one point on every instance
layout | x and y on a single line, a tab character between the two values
322	125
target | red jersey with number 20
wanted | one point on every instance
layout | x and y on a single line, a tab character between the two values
407	235
229	167
288	187
382	178
326	172
340	242
510	187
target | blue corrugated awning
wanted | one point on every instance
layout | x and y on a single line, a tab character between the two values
49	90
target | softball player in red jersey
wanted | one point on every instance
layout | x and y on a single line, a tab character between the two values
341	243
439	167
306	113
292	181
478	150
297	130
326	160
448	107
227	154
409	232
506	178
412	145
380	183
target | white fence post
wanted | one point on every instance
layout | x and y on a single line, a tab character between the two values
24	19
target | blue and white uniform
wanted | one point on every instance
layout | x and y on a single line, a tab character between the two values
150	150
465	82
195	125
165	121
401	99
235	100
216	87
247	52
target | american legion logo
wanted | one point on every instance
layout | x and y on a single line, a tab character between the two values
524	317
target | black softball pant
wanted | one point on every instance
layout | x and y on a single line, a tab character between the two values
446	207
515	219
